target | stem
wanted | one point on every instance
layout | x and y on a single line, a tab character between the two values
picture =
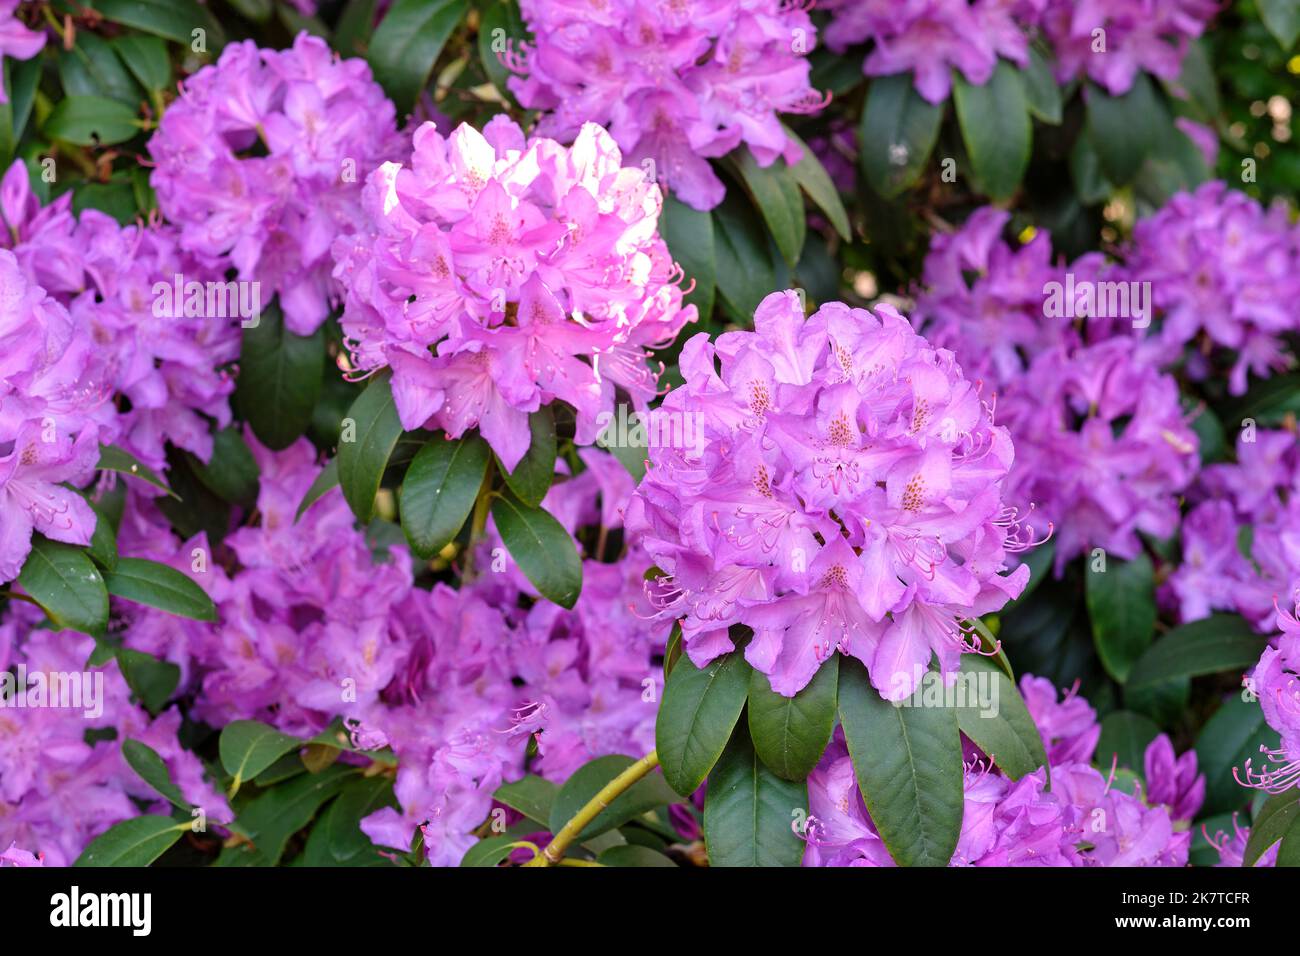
554	851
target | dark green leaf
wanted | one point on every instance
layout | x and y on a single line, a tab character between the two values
699	709
151	681
440	489
361	461
145	761
898	131
62	579
91	121
277	814
775	192
790	734
1229	738
248	747
532	796
172	19
1124	738
541	547
532	477
231	473
1222	642
638	856
909	767
1124	130
408	41
134	842
160	586
500	24
112	458
995	126
1282	18
810	174
750	813
326	480
1273	821
92	68
1122	609
689	234
745	271
999	725
279	378
1042	95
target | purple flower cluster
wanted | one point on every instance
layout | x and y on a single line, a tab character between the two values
675	83
931	38
1109	41
1084	820
498	275
260	163
1276	681
1224	274
844	492
15	39
1240	550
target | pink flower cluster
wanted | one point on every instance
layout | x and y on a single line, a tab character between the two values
260	163
675	83
1276	681
844	492
496	276
1084	820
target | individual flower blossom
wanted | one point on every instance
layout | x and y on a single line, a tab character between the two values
1068	727
15	39
499	275
1103	448
931	38
1232	849
1225	275
1173	781
1109	41
674	83
845	494
1275	680
1114	828
260	162
17	857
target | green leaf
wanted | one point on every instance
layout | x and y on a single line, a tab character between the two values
160	586
541	547
898	131
152	681
589	779
1122	611
91	121
248	747
20	78
1282	19
532	477
172	19
745	272
67	586
1221	642
699	709
491	851
103	540
630	855
811	175
274	816
440	488
279	378
134	842
909	768
358	800
1124	130
407	43
790	734
532	796
1042	95
999	725
1085	172
750	813
1233	735
92	68
689	234
995	126
231	473
1274	821
1124	738
145	761
361	461
112	458
775	192
504	17
325	481
355	24
1288	854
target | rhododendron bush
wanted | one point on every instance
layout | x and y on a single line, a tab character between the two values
542	433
